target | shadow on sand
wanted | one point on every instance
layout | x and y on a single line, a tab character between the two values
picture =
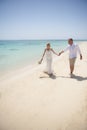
78	78
53	76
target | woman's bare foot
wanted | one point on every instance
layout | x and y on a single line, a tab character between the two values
45	72
50	74
71	75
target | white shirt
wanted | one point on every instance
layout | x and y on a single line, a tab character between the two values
73	49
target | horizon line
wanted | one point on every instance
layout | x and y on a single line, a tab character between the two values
38	39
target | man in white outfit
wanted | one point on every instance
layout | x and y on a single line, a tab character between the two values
73	49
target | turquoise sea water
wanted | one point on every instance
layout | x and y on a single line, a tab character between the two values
19	53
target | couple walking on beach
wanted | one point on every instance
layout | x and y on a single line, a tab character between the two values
72	48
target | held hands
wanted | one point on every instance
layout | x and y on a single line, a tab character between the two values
59	54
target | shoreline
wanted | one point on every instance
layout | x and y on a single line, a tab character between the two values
28	69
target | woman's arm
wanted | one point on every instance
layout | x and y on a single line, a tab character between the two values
42	57
54	52
43	54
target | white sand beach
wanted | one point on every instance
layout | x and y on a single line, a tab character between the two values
35	101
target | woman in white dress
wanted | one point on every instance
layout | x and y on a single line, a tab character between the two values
48	52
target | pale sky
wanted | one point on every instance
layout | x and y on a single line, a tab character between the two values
43	19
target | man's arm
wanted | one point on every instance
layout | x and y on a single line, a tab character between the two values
79	51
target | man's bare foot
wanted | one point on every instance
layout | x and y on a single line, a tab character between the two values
71	75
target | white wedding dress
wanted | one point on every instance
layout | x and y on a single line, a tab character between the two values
49	62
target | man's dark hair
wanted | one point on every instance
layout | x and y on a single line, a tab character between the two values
70	39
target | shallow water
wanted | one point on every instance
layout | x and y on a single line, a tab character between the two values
15	54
